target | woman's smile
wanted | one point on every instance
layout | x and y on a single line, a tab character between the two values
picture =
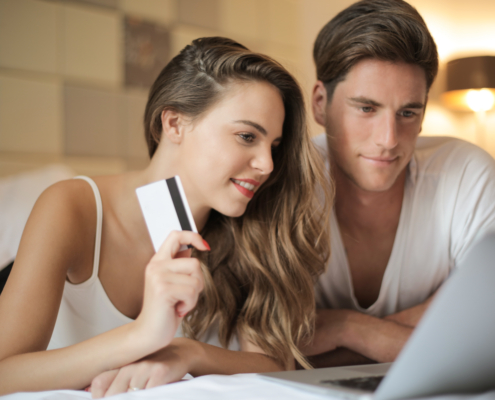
245	186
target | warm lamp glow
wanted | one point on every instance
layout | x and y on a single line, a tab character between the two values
470	100
480	100
470	84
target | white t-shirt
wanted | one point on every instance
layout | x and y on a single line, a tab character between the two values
449	201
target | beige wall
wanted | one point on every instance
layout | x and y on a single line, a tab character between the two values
63	96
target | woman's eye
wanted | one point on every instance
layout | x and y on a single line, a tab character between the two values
247	137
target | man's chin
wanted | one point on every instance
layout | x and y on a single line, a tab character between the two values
374	184
370	179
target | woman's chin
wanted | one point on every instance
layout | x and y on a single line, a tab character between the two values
232	212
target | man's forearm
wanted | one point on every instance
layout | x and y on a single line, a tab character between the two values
377	339
411	316
374	338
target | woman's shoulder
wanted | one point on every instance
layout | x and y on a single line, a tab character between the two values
59	231
73	198
65	213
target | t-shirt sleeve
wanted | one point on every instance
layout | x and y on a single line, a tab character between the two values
470	192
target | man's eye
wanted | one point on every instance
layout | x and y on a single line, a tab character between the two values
247	137
366	109
407	113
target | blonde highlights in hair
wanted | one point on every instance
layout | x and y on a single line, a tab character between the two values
260	273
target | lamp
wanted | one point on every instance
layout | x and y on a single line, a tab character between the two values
471	87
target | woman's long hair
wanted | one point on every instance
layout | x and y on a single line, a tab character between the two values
260	274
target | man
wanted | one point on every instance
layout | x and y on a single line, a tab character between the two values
406	209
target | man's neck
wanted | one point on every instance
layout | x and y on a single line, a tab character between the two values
361	212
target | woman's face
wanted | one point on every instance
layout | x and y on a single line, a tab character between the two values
226	155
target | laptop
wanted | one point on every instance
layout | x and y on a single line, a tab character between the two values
452	350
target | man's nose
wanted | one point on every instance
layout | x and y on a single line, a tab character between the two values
386	133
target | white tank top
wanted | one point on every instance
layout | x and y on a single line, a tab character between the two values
86	311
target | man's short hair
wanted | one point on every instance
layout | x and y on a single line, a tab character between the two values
388	30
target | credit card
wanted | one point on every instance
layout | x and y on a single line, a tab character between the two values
165	209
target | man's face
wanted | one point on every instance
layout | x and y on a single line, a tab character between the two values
373	121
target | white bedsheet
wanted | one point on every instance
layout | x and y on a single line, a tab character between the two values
214	387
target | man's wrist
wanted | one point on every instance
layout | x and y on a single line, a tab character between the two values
344	331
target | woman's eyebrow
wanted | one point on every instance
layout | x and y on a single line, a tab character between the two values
253	124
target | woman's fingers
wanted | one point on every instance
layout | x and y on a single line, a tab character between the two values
133	377
139	379
172	287
102	382
120	384
188	266
161	374
175	240
182	272
185	298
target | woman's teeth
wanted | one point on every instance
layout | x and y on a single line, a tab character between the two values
246	185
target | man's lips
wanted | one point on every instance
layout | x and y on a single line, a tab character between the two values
380	160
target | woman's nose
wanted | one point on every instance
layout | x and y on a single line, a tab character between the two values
263	160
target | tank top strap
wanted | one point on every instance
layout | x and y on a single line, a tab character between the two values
99	222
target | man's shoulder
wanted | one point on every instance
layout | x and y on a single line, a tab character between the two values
439	152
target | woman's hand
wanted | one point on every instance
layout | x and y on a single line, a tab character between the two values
173	281
165	366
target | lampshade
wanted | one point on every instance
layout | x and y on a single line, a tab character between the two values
470	84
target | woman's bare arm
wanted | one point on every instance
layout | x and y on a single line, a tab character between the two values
29	304
182	356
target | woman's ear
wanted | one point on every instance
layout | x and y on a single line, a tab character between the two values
171	125
319	102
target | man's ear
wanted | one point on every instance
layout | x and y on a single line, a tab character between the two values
319	102
171	125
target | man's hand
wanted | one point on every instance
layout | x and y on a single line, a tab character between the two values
377	339
346	337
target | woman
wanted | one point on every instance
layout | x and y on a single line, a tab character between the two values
231	124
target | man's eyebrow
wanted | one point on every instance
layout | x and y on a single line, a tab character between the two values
414	104
365	100
253	124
